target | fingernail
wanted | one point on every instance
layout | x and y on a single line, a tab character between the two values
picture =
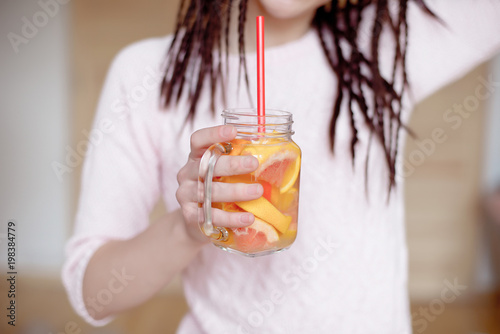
246	218
227	131
254	189
248	162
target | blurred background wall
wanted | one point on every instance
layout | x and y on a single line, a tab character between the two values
50	87
35	105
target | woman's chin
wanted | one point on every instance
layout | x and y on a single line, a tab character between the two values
290	9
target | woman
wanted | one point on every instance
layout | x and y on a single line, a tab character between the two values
343	76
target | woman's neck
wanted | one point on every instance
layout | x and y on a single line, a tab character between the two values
277	31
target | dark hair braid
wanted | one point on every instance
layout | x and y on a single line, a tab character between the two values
226	32
241	45
198	35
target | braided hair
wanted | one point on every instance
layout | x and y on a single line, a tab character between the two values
203	25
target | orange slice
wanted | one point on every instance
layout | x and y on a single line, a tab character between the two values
291	175
264	210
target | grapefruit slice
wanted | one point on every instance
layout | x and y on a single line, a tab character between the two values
274	168
279	164
281	169
264	210
255	236
268	190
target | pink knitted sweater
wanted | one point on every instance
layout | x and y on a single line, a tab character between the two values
347	271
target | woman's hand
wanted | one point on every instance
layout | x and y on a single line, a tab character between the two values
188	192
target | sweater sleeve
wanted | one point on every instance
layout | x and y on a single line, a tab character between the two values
120	180
440	53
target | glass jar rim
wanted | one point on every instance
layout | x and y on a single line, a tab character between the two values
251	112
276	123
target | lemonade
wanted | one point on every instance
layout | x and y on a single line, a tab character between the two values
268	138
275	225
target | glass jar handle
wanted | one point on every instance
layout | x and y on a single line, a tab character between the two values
205	179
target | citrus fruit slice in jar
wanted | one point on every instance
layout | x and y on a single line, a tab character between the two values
231	207
279	165
254	237
285	200
263	209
